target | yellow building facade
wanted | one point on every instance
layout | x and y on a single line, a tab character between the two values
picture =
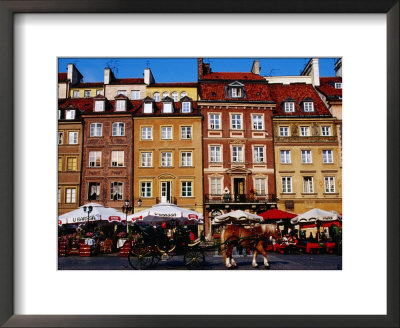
158	91
86	90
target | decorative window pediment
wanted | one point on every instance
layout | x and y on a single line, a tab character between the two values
99	103
235	90
121	102
148	105
168	106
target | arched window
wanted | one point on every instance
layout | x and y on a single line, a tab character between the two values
175	96
165	94
156	96
183	94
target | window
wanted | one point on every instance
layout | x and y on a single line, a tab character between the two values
59	114
183	94
167	107
216	186
236	92
260	186
165	94
237	154
187	189
327	156
285	157
146	160
75	94
145	189
70	114
215	154
121	92
166	159
338	85
306	156
326	130
186	158
257	122
73	138
99	106
166	132
70	195
99	92
118	129
289	107
308	185
156	96
135	94
147	133
94	191
94	158
60	137
309	106
283	131
329	184
59	196
121	105
60	164
87	93
286	184
148	108
236	121
117	158
72	164
305	131
215	121
186	107
116	191
175	96
186	132
96	129
259	155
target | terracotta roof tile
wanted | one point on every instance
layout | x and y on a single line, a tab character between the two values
233	76
88	85
173	84
128	81
62	77
327	87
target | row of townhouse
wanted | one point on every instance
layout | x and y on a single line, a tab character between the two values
229	141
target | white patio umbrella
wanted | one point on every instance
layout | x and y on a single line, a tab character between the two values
237	217
99	213
316	214
166	212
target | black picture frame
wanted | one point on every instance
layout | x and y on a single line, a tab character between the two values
11	7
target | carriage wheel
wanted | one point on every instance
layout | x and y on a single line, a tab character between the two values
193	259
140	257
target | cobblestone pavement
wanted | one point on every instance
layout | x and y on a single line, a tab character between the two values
277	262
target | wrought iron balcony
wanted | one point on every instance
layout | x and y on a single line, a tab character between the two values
240	198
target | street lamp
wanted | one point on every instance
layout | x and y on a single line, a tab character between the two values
125	209
88	209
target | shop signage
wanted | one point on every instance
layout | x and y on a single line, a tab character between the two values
114	218
165	214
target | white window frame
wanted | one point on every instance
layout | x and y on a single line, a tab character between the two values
236	121
214	121
120	186
75	94
183	94
166	133
260	186
156	96
304	131
87	93
186	158
99	106
326	130
94	157
117	158
186	107
329	185
135	94
236	92
148	108
259	154
146	159
167	108
327	156
187	188
166	159
70	195
258	122
289	107
238	154
146	133
216	186
72	138
96	129
99	92
146	189
186	132
120	105
215	154
306	156
175	96
121	92
308	185
286	157
284	131
70	114
118	129
165	94
308	106
338	85
286	185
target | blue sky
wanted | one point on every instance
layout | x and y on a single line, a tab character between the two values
185	69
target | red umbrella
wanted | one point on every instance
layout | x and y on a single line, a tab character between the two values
276	214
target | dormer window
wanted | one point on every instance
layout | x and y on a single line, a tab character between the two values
186	107
148	105
289	106
99	106
156	96
121	105
70	114
236	93
338	85
167	107
308	106
235	90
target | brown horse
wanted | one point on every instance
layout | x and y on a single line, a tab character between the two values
254	239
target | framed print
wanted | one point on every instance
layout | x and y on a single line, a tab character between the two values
188	298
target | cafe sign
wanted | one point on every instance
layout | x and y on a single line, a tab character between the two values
80	219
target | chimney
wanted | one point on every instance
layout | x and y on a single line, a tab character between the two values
338	67
312	69
199	68
148	76
108	75
73	74
255	69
